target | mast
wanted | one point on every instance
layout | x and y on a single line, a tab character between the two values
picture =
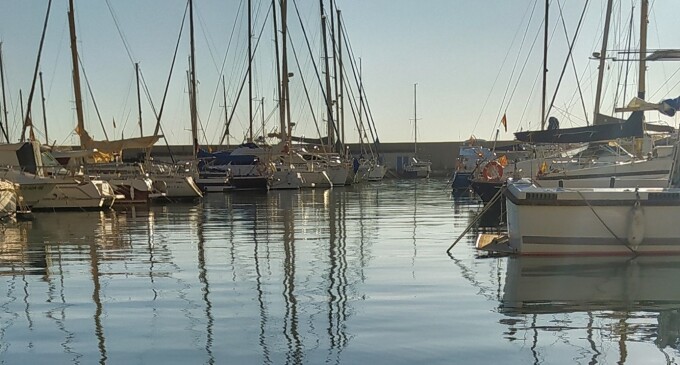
192	85
415	121
335	70
329	100
644	19
262	113
250	73
279	86
545	64
76	73
28	122
603	51
341	93
226	110
361	97
139	101
284	66
5	131
21	104
42	96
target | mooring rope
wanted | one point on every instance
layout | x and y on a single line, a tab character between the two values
488	206
605	224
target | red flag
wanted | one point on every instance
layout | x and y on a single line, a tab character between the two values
504	122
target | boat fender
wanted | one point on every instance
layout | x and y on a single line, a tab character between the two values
492	171
636	228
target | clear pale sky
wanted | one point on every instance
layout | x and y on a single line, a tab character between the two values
459	52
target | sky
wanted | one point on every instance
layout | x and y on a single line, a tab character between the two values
472	61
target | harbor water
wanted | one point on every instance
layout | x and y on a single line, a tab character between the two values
351	275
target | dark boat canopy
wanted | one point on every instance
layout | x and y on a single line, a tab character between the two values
599	132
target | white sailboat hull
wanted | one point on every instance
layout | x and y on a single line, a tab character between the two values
592	221
93	194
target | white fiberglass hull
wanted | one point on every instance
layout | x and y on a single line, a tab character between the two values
177	186
93	194
315	179
286	179
592	221
643	173
338	174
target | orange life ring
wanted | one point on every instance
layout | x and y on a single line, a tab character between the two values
492	171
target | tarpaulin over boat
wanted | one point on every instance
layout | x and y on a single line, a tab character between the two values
224	158
632	127
117	146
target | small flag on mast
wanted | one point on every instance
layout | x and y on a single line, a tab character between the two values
504	122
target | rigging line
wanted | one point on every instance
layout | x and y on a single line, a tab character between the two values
571	47
529	98
123	107
316	69
224	60
517	81
352	101
304	85
502	105
505	58
628	57
656	26
167	84
56	61
243	82
94	102
27	121
210	44
120	31
352	59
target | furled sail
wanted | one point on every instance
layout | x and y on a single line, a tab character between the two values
632	127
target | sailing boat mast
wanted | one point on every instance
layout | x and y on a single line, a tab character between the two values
341	92
250	73
545	64
226	110
415	121
644	18
284	67
28	122
76	73
42	97
5	130
192	86
335	73
282	104
329	99
603	51
139	101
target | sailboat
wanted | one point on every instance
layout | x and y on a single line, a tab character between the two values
415	167
593	221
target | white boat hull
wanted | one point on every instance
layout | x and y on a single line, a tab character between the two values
92	194
592	221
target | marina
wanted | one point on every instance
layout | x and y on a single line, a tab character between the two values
256	182
345	275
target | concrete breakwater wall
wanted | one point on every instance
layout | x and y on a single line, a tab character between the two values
443	155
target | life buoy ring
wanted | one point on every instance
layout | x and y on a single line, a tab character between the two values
492	171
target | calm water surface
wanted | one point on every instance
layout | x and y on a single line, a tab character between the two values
354	275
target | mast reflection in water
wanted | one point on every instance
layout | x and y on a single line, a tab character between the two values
351	275
609	306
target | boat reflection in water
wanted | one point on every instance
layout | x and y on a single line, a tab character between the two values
594	309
